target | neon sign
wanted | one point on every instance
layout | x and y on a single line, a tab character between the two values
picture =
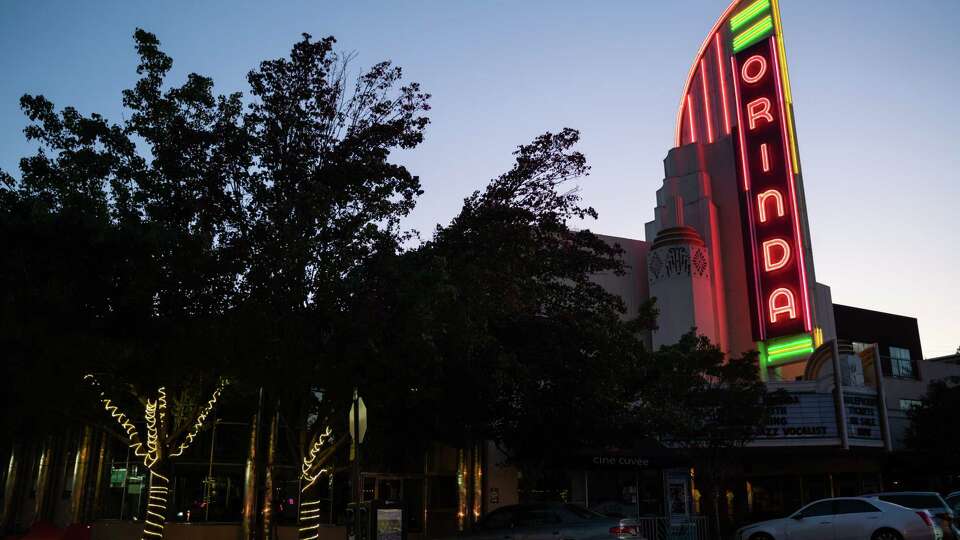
738	85
769	191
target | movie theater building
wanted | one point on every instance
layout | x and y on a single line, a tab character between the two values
728	252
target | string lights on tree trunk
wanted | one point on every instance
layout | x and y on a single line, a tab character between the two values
158	448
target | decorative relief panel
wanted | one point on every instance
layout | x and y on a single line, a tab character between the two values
677	261
699	263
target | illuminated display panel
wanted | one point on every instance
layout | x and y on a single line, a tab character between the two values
769	195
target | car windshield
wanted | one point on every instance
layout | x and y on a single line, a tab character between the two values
915	500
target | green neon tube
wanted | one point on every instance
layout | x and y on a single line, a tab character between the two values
748	14
804	341
791	349
753	34
788	354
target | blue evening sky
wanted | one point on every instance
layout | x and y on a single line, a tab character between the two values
875	86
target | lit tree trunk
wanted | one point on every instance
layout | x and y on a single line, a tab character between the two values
311	470
157	497
268	487
156	450
249	523
309	519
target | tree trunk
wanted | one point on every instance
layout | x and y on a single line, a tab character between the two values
268	487
715	495
157	496
13	488
43	480
81	467
309	518
249	524
101	472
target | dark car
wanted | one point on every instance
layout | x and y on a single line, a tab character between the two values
925	500
551	521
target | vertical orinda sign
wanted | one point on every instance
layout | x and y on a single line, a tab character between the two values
769	194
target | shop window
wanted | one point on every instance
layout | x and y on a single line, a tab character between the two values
900	362
859	346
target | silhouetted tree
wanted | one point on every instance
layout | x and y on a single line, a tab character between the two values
494	330
706	404
211	236
931	424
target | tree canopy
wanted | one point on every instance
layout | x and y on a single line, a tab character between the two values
930	423
259	236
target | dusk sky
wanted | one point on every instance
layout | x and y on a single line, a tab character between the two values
874	86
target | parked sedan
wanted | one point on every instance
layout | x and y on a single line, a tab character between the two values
925	500
551	522
847	518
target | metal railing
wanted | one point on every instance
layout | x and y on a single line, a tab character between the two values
661	528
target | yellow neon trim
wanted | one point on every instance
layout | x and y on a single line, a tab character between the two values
787	92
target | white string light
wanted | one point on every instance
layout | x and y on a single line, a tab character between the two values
156	505
199	423
305	469
155	417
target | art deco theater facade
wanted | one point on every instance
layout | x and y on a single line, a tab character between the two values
729	253
729	247
732	209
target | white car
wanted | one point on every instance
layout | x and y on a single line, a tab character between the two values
953	500
847	518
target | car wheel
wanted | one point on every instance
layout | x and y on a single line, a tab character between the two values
761	536
886	534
